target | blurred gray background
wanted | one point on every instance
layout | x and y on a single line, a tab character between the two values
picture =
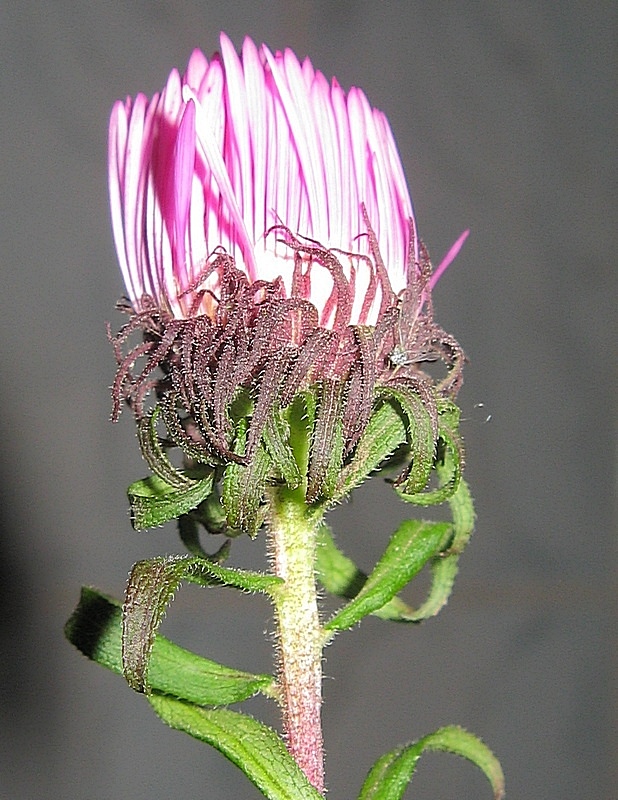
505	118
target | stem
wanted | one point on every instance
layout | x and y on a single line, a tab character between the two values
293	533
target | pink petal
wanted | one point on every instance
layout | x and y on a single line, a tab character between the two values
448	259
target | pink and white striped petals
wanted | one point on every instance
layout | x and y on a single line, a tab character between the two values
244	143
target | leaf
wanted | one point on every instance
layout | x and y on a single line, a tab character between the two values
276	438
151	588
207	572
444	567
411	546
340	576
155	456
462	509
384	433
450	452
444	570
337	573
95	628
327	444
153	501
421	435
256	749
391	774
211	514
244	485
189	535
301	415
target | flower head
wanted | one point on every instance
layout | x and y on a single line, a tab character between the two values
243	156
268	245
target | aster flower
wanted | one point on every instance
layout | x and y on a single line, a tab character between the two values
281	337
268	244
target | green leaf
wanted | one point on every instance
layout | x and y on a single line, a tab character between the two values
444	570
256	749
211	514
244	485
462	509
450	454
384	433
301	415
155	456
151	588
95	628
207	573
327	444
411	546
340	576
189	534
391	774
276	438
421	435
444	567
337	573
153	501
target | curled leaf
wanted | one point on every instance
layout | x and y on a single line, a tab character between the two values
155	456
449	460
421	436
150	590
410	547
276	439
390	775
340	576
384	433
328	442
154	502
188	531
95	628
244	486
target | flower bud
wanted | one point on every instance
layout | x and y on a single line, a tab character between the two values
269	251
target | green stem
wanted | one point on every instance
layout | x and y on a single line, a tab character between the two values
293	532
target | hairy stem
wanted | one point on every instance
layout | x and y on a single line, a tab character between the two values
293	533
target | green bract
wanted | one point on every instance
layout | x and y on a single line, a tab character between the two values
230	497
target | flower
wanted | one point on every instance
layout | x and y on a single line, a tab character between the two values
235	152
268	247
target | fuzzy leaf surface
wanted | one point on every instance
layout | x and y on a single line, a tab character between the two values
256	749
444	568
95	629
451	467
421	435
389	777
327	443
276	439
155	455
383	434
411	546
340	576
153	501
244	485
151	588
